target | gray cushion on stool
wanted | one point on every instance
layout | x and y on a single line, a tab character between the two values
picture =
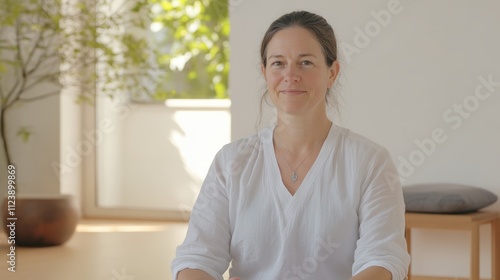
446	198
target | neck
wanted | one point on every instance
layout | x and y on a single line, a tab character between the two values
300	136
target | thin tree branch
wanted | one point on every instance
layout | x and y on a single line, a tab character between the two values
43	56
39	39
9	104
57	73
3	134
41	79
43	59
1	97
19	82
45	95
19	99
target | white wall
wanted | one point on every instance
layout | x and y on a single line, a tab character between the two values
154	156
396	89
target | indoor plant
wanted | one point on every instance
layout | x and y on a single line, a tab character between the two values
50	45
53	43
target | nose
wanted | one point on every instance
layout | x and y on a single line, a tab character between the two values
292	74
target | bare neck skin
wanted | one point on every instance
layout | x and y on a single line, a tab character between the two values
299	135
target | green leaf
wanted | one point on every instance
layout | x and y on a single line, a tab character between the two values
167	6
220	90
24	134
160	95
139	5
192	75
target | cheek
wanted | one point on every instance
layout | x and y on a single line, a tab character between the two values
273	79
321	81
313	80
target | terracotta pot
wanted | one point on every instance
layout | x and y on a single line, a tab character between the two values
42	220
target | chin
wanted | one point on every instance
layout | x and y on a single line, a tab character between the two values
292	110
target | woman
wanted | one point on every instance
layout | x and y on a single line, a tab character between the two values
305	199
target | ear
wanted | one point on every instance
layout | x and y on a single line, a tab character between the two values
263	71
333	73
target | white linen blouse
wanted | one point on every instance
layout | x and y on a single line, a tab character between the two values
347	214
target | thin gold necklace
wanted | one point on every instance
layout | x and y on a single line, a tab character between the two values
294	175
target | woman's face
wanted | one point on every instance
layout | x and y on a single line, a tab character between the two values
296	73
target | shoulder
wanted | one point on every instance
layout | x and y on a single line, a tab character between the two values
360	152
366	159
354	142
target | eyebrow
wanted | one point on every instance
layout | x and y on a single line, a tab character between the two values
300	55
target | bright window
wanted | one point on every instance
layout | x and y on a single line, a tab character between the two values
190	40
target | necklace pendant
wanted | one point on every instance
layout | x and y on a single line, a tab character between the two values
294	176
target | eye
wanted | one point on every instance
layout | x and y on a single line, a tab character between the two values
306	63
277	63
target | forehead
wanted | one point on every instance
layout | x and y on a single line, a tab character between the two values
293	41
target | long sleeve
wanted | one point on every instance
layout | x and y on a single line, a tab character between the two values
207	242
381	219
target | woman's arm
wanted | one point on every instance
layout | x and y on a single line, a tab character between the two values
206	246
193	274
373	273
381	213
197	274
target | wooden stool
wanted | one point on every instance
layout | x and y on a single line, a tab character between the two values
470	222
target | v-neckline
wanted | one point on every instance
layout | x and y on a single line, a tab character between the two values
286	199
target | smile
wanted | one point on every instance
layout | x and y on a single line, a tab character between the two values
292	91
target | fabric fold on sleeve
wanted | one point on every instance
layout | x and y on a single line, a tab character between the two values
381	220
207	242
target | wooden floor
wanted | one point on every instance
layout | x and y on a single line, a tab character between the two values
106	250
101	250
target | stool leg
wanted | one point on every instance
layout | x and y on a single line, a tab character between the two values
474	265
495	248
408	246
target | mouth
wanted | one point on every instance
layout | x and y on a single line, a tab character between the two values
292	91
